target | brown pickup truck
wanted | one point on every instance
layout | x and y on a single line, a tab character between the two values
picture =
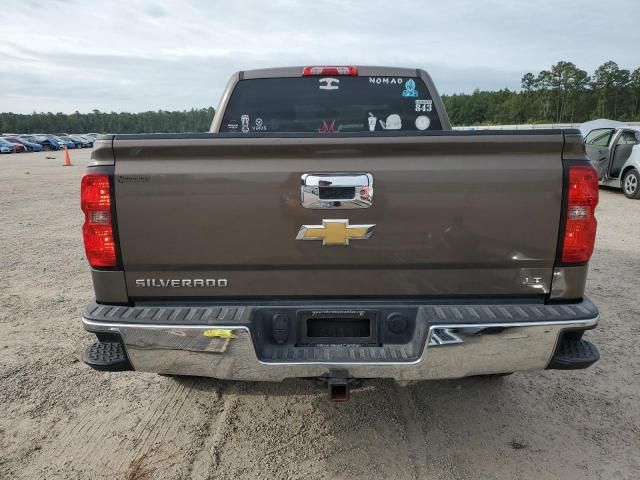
333	226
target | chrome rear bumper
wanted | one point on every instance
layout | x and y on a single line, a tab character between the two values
451	349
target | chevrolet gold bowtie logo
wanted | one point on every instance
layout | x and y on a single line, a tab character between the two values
335	232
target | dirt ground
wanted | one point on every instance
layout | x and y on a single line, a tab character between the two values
60	419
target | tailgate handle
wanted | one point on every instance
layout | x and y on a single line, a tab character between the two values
336	190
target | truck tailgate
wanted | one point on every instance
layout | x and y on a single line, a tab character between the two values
454	214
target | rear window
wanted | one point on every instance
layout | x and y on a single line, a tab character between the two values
340	104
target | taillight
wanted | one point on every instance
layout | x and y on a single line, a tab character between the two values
580	222
333	71
95	201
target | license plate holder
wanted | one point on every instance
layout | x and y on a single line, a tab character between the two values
333	327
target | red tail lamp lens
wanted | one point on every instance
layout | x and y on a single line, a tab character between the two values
580	222
95	201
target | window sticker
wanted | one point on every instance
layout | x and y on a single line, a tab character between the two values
393	122
372	122
328	127
410	89
232	126
385	81
329	83
424	105
245	123
422	122
259	125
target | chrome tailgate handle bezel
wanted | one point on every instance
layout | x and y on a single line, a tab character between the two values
316	190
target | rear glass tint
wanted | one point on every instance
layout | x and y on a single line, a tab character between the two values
330	105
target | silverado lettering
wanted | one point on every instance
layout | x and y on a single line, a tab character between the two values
184	282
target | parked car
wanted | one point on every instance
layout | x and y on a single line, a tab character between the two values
614	149
82	141
6	147
17	147
55	138
30	146
66	141
44	140
70	142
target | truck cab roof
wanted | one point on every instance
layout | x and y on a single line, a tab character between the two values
363	71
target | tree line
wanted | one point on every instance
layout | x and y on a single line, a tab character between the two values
161	121
562	94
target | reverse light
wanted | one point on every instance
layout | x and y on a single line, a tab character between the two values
580	222
95	201
333	71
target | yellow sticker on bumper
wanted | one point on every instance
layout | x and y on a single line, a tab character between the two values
219	333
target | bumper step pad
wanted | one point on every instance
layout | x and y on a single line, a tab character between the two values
574	354
107	356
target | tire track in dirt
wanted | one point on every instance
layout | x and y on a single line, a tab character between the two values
415	439
155	421
206	461
115	440
73	431
174	424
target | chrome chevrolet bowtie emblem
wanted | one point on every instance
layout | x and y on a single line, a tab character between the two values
335	232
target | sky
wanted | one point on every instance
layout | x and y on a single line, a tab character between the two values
138	55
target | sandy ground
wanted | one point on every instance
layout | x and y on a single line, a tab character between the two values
59	419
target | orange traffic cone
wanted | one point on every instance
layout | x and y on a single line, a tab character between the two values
67	159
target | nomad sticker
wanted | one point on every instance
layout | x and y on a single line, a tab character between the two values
329	83
372	122
410	89
422	122
424	105
245	123
219	333
393	122
385	81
